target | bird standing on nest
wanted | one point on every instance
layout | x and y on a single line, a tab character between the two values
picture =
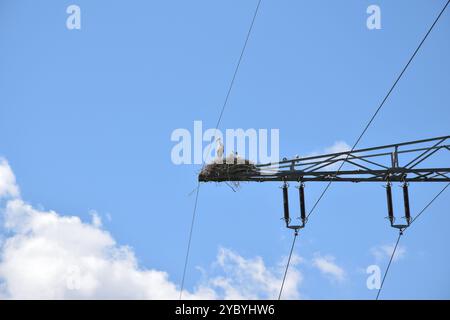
219	149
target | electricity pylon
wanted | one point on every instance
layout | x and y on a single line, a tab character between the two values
400	162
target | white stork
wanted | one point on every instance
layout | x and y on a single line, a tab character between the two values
219	149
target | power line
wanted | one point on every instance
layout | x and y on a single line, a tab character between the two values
239	63
190	238
382	103
400	234
225	103
288	263
389	264
429	203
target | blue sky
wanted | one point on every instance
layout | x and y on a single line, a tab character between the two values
86	117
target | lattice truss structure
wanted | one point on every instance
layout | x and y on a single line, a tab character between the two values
413	161
404	162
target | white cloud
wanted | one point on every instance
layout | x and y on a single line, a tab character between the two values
337	147
8	186
251	279
54	257
326	265
382	252
46	255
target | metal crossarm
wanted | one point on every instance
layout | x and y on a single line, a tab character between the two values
403	162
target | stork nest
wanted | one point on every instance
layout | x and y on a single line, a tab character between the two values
226	171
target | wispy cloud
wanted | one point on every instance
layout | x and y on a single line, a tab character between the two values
251	279
337	147
327	265
384	251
